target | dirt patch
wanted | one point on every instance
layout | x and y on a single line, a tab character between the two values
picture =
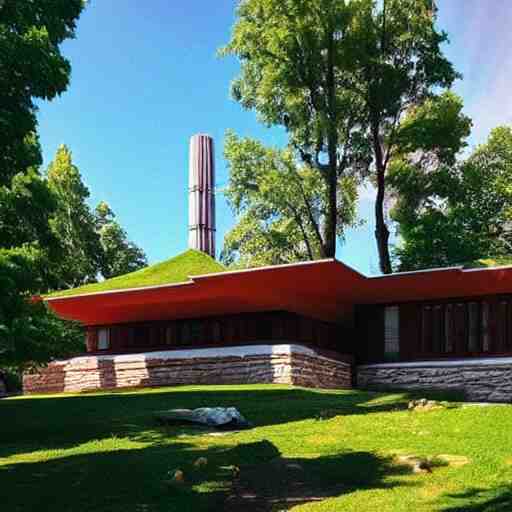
429	464
416	464
454	460
282	483
277	485
424	405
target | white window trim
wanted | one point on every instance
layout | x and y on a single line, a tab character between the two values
103	344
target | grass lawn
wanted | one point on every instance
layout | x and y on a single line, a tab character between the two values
309	450
172	271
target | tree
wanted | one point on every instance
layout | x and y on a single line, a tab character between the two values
280	205
427	144
119	255
31	68
73	224
459	213
30	334
25	208
394	63
340	76
292	55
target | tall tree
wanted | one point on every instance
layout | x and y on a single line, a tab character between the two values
73	224
119	255
340	75
25	208
31	68
394	62
30	335
460	213
280	205
292	55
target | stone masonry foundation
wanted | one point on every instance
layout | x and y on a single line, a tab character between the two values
481	380
283	364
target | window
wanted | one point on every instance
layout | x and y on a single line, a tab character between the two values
473	326
391	333
170	334
196	330
103	339
216	330
185	333
502	334
426	329
466	328
448	327
485	327
438	344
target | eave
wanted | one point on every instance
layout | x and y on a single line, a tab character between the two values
324	289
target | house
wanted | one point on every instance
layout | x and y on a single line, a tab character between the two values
189	320
316	323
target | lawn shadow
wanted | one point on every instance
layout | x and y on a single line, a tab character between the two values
281	483
59	422
251	477
496	499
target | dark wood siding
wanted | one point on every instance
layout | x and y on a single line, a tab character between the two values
410	317
432	330
267	327
369	334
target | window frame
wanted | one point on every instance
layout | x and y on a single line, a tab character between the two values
105	330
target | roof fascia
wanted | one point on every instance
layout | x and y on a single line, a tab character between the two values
121	290
413	272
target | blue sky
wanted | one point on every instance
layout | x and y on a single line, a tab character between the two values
146	77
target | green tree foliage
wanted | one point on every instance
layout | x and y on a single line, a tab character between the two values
25	208
292	55
31	68
73	223
395	63
280	205
30	334
458	213
340	76
119	255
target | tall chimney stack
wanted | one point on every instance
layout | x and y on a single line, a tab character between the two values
201	206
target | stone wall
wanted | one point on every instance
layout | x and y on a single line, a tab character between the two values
283	364
481	380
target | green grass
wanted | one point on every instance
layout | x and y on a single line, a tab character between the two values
489	262
192	263
310	451
175	270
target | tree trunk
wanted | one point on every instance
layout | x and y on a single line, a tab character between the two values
329	237
381	230
332	144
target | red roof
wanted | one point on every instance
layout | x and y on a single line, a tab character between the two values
325	289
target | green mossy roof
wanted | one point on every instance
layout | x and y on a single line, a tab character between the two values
175	270
489	262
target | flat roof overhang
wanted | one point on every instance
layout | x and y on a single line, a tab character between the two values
324	289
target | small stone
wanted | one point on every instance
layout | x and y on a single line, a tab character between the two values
200	462
423	466
178	476
417	464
